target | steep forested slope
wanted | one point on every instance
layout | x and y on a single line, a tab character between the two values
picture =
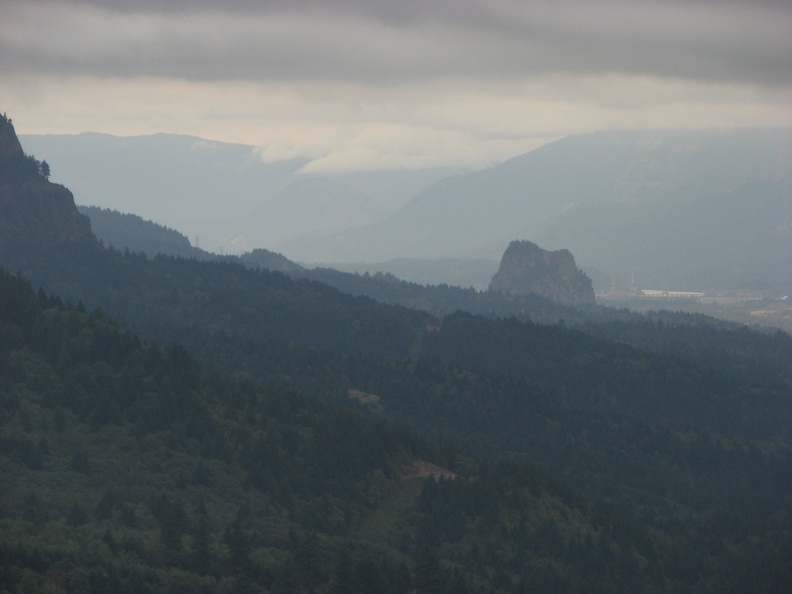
126	469
131	232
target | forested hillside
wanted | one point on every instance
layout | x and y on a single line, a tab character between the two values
279	442
131	232
145	475
168	476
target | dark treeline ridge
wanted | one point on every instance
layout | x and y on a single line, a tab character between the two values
726	347
754	355
735	380
127	231
221	296
441	300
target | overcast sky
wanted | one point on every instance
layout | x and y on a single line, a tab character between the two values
372	84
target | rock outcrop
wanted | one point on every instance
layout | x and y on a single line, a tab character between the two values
526	268
34	212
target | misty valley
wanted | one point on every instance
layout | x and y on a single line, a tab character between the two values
501	381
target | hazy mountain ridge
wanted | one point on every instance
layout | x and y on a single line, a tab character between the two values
614	199
444	299
173	179
176	180
736	240
450	271
635	176
315	206
129	231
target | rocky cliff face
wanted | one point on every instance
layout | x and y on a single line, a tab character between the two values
526	268
9	143
34	212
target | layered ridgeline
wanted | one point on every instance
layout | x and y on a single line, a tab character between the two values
263	203
41	219
687	210
261	305
660	455
128	232
694	338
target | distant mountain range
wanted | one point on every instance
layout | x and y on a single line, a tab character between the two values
740	239
670	207
222	196
690	210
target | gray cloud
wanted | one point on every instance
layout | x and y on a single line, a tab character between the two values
394	42
379	84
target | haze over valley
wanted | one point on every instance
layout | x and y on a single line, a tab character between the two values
694	210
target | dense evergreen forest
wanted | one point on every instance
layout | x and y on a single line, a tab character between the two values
128	470
283	439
